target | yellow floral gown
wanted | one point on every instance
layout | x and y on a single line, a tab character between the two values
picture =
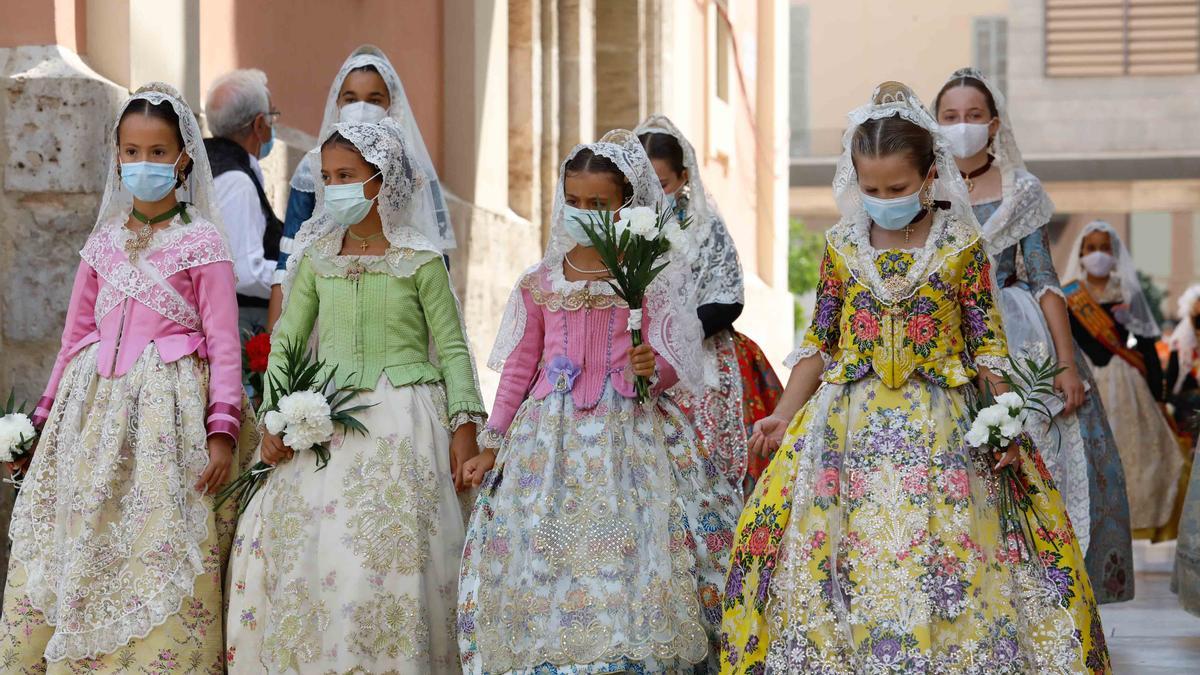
871	543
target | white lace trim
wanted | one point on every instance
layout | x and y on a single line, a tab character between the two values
459	419
490	438
948	236
181	248
327	260
1053	290
999	365
1024	209
803	352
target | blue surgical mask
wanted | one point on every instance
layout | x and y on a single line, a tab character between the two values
893	214
571	217
149	181
346	203
672	202
266	147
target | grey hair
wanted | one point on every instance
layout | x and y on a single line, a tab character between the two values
235	99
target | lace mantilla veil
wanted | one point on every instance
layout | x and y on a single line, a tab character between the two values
1025	206
892	99
306	179
406	208
1138	319
197	190
713	254
673	328
1183	338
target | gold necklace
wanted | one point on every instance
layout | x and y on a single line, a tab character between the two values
364	241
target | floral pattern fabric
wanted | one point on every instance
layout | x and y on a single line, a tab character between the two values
598	544
106	453
871	543
353	568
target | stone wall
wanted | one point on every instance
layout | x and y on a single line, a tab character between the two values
54	117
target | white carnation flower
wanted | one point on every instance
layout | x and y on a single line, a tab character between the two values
275	422
641	221
304	406
15	430
993	415
978	435
680	243
1011	400
1010	427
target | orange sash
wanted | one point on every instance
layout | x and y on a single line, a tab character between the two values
1100	324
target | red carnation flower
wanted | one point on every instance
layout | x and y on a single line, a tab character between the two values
258	351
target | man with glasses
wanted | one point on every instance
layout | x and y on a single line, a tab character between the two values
242	122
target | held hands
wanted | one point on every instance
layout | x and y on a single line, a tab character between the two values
476	468
220	459
1070	387
463	449
768	434
273	449
641	360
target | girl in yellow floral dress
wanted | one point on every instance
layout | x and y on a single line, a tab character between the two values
872	542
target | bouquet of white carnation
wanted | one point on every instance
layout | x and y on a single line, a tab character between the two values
17	433
998	424
302	414
633	250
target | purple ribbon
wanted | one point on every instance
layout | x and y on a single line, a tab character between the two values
562	373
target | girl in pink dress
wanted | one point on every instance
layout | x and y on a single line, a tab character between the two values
599	542
117	554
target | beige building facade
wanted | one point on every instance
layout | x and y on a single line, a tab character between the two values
1105	105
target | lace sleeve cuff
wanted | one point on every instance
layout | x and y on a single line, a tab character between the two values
996	364
1049	289
490	438
803	352
466	417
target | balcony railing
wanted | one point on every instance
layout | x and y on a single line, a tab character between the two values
1121	37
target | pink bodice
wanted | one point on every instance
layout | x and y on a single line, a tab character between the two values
178	294
576	339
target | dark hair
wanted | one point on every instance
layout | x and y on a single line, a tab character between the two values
967	81
666	147
587	161
162	111
339	140
887	136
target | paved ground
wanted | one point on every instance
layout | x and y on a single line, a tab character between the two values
1152	635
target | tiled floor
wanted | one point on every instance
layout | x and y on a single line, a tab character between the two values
1152	635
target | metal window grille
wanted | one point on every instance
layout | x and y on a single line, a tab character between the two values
991	49
1121	37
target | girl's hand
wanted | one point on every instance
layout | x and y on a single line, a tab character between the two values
20	465
641	360
273	449
768	434
1070	387
220	458
463	448
1010	456
476	468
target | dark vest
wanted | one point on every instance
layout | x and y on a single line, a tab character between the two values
225	155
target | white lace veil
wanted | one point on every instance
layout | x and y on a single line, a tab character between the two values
1025	206
1183	338
713	255
197	190
672	329
1139	319
405	206
369	55
891	100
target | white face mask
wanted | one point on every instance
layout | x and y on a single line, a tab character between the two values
966	140
361	112
1098	263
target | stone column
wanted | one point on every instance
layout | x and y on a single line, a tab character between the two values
525	93
577	72
54	123
133	42
620	65
550	148
494	243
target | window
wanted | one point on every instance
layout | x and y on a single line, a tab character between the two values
1121	37
722	53
720	73
801	141
991	49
